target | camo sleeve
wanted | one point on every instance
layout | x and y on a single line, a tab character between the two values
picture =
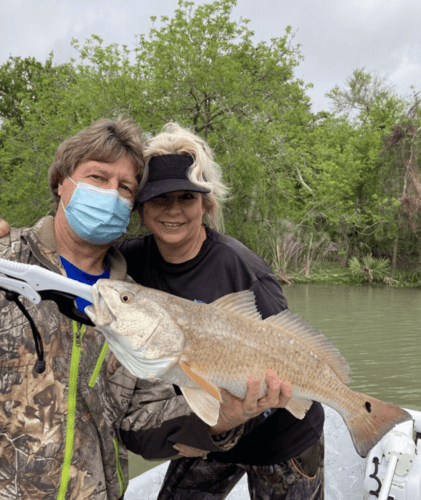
158	418
10	245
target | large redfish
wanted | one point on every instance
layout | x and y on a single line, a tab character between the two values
204	347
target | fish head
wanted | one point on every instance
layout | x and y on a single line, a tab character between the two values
124	310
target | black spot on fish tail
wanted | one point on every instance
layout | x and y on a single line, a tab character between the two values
371	420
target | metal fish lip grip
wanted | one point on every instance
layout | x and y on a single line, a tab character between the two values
29	280
35	284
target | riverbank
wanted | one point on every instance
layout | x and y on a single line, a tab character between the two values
335	274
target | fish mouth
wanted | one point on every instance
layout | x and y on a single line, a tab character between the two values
99	313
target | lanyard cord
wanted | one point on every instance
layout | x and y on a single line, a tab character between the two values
71	408
39	347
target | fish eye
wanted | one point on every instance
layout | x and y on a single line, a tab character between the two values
126	297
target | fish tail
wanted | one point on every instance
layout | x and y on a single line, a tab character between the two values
372	421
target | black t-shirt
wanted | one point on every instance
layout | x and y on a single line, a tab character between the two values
223	266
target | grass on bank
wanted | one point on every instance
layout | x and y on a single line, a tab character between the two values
331	273
306	257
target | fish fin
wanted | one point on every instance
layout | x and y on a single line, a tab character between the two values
240	302
194	373
298	406
293	324
203	404
373	420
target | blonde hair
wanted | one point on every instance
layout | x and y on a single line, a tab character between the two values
204	172
104	141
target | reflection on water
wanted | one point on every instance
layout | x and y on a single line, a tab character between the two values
377	330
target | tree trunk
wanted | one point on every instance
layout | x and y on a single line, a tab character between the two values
307	268
395	250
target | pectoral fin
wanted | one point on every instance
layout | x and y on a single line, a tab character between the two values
205	406
194	373
298	406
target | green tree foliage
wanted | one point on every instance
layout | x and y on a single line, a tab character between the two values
203	70
21	83
108	82
401	180
370	96
45	105
371	107
338	175
37	120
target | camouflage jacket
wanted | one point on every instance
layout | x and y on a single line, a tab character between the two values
34	407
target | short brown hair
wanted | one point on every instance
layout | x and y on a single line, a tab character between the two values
104	141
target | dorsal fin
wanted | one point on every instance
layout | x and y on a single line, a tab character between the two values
240	302
318	343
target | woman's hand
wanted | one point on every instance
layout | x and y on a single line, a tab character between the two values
4	228
234	411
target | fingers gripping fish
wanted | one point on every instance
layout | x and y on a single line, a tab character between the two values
204	347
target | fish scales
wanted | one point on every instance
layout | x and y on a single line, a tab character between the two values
204	347
228	357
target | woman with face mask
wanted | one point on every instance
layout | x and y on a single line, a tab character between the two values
282	456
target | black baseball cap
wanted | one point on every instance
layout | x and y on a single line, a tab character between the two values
168	173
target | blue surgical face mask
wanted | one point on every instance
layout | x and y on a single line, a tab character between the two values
97	215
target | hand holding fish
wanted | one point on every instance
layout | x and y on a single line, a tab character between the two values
235	411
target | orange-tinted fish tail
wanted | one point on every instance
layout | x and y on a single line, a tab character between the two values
375	419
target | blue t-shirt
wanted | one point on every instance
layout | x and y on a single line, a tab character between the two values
77	274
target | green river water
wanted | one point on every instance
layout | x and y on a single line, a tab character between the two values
378	332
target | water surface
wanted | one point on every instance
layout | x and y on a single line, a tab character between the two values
377	330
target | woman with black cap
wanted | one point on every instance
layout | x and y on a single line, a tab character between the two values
282	456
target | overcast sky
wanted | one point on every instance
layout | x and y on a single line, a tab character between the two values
336	36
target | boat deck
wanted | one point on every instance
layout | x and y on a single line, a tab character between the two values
344	468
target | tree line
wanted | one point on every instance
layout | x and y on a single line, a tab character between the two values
345	181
